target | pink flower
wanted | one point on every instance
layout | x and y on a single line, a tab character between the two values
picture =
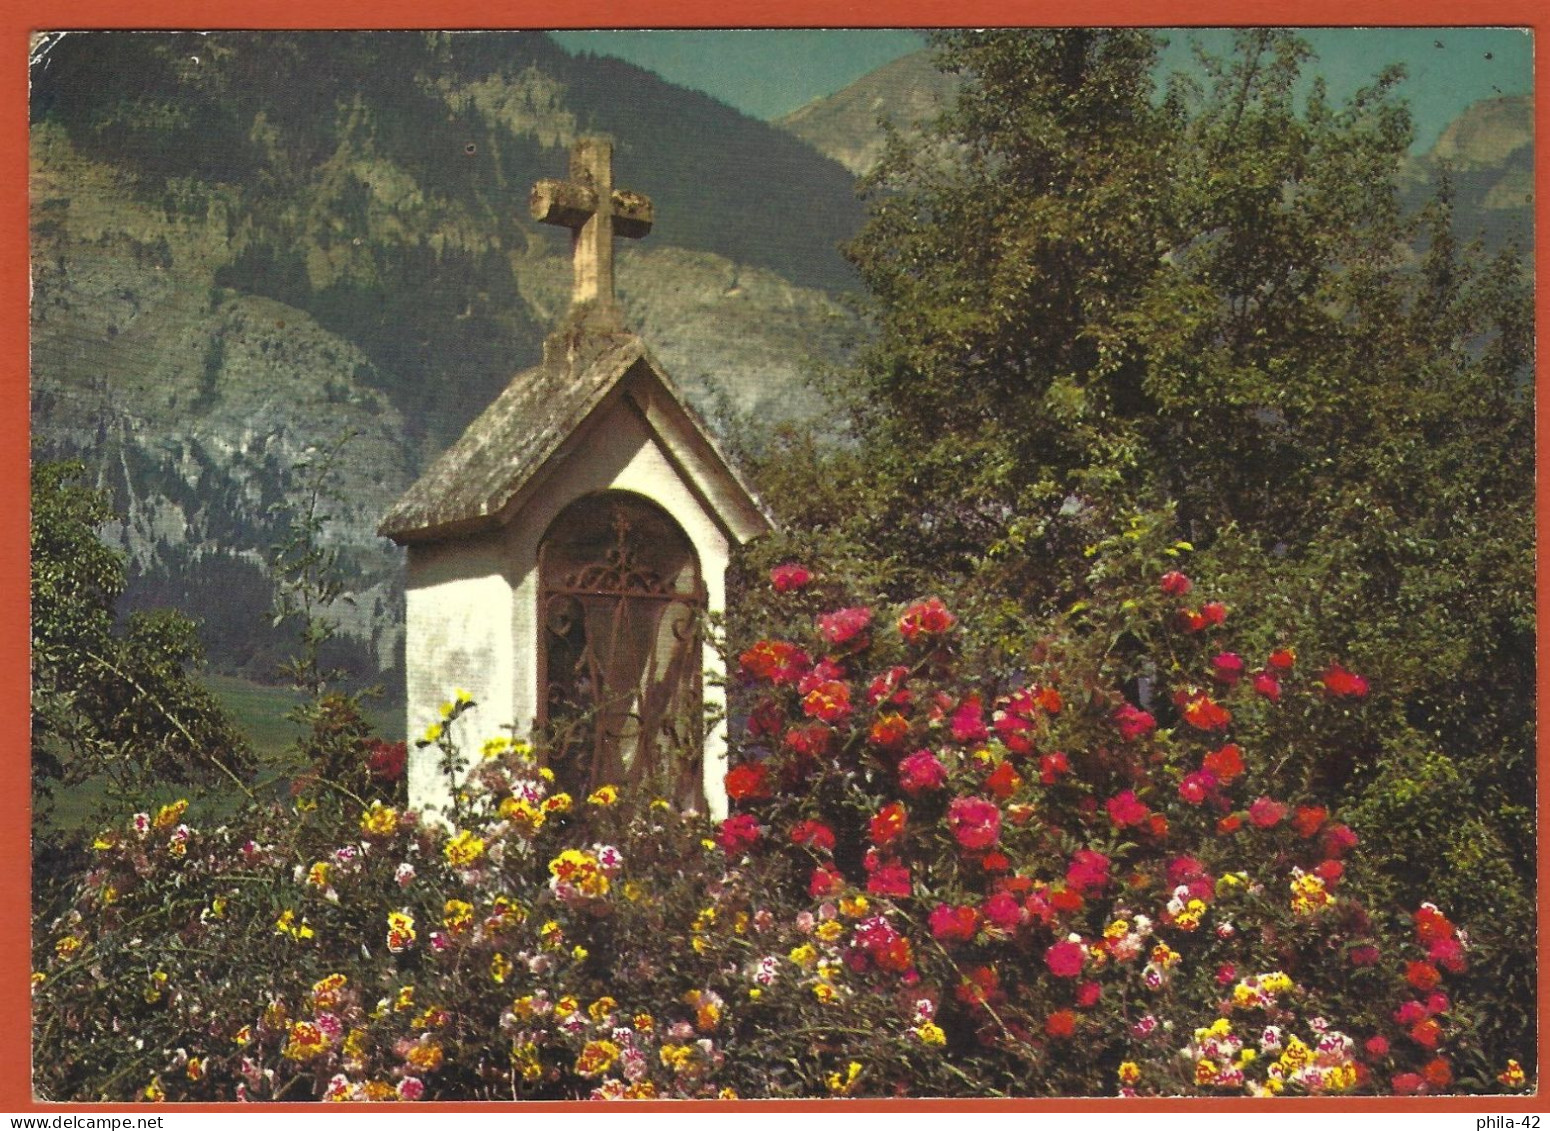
953	924
825	881
1088	871
845	627
1194	788
1227	667
929	618
411	1088
1377	1047
1365	955
975	822
1338	840
809	741
738	833
889	687
789	577
1175	584
921	771
889	878
1126	809
1002	910
1133	722
1265	813
1087	994
1268	686
1065	959
968	722
814	834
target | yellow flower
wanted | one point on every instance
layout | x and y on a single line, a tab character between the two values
67	946
1308	893
379	820
804	956
529	818
169	815
676	1057
632	891
306	1041
153	1091
830	931
579	953
404	1000
1340	1077
565	1007
1512	1076
525	1058
401	932
596	1058
464	850
601	1008
357	1044
551	934
1129	1073
432	733
930	1033
500	968
426	1056
854	907
1117	929
604	796
495	747
557	803
841	1084
327	991
456	916
286	924
1205	1071
644	1022
824	992
243	1036
317	875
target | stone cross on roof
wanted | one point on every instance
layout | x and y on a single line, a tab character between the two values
595	212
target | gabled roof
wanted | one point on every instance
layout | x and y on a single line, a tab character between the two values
470	485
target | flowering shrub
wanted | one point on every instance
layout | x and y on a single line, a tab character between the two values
1060	879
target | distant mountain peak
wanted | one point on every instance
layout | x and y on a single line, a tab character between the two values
844	126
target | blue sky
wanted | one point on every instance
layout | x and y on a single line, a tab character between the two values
767	73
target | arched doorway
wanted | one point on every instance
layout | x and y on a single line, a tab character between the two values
622	602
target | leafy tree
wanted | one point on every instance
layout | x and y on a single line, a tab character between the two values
111	700
1102	312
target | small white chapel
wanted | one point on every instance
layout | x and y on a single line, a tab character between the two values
565	553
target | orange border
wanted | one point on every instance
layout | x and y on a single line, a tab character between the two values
18	18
